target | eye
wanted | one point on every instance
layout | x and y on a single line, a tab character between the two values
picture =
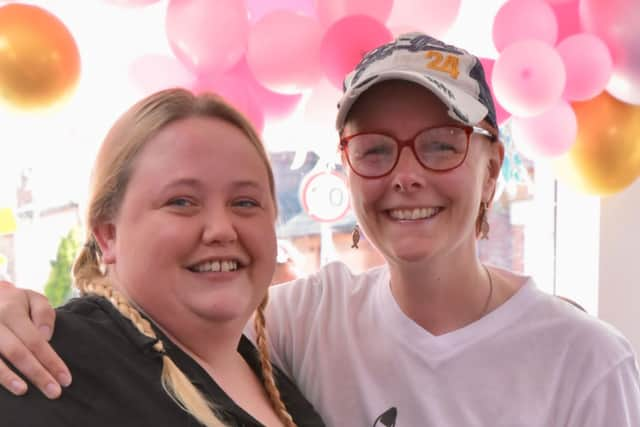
379	149
370	147
182	202
245	203
439	147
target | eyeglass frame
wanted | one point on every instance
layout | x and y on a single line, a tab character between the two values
469	130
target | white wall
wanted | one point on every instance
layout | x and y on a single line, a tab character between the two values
619	278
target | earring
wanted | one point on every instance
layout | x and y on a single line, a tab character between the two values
484	224
355	236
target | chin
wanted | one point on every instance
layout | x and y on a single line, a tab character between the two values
411	250
222	306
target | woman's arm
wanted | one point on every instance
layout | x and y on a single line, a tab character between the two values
26	324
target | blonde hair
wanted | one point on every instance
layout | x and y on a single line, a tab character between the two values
112	170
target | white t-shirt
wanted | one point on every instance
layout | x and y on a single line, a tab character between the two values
534	361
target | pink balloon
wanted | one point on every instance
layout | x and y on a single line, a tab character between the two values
259	8
207	36
143	71
433	17
523	20
501	114
235	91
528	77
274	105
568	17
588	65
616	22
346	42
549	134
132	3
281	62
330	11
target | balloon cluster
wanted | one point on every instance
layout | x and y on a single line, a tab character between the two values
568	77
559	62
39	59
263	56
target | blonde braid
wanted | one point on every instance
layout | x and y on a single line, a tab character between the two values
267	368
90	280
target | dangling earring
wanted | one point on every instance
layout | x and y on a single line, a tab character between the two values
484	224
355	236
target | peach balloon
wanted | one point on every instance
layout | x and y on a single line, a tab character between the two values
605	158
39	59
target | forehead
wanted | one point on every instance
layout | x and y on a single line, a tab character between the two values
200	145
397	101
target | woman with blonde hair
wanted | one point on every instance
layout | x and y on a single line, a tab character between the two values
179	254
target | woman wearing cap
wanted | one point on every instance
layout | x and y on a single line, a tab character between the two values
434	337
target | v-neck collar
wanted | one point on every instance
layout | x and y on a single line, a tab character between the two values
435	349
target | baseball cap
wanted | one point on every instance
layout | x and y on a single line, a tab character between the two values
454	75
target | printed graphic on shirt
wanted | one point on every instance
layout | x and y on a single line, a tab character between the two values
387	419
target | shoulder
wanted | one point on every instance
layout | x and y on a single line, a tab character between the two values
597	342
89	331
333	281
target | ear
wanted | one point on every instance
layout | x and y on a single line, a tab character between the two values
494	164
105	234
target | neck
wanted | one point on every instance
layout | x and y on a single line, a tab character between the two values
440	298
214	342
213	345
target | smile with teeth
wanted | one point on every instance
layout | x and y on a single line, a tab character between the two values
215	266
416	213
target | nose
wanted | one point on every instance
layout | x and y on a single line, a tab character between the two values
219	228
408	174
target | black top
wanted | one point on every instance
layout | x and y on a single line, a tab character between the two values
116	378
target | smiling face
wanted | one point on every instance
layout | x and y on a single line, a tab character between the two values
194	235
414	214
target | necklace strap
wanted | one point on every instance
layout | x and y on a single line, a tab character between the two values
490	295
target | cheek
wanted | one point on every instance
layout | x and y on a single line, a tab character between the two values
366	192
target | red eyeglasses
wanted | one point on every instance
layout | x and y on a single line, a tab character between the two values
439	148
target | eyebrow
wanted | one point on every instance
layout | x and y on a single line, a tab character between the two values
247	184
193	182
187	182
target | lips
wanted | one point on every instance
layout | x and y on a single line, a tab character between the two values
414	213
215	266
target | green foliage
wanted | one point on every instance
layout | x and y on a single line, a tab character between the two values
58	287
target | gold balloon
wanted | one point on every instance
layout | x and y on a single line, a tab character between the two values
7	221
39	59
605	158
